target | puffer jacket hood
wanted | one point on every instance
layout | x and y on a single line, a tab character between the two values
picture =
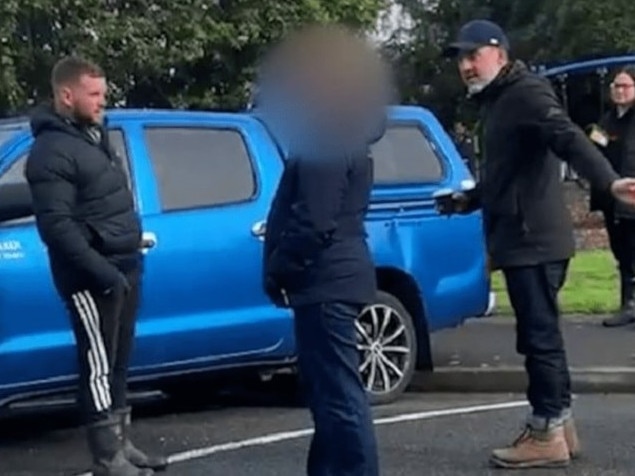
44	118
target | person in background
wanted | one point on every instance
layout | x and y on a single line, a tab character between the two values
615	136
86	217
528	227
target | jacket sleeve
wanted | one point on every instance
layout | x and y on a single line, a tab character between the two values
546	116
320	187
52	181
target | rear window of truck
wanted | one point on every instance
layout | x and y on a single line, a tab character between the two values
404	155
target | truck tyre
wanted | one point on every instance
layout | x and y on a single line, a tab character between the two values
387	342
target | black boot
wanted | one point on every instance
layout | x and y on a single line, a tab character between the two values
106	448
626	314
133	454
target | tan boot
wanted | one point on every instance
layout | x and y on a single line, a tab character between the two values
535	449
571	437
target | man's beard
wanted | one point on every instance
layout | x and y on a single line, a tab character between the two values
478	86
85	119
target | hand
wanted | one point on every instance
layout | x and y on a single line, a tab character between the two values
122	286
456	202
276	294
624	190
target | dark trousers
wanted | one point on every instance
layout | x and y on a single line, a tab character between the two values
621	234
104	327
344	440
533	292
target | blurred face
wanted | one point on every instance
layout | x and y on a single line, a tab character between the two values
323	85
478	68
85	99
623	90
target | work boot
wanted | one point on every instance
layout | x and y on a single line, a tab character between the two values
133	454
624	317
106	448
544	448
626	314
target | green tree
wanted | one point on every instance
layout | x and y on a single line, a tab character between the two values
189	54
588	27
539	31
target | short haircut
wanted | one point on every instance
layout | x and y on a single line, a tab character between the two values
70	68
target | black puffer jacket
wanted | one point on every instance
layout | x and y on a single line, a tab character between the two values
83	206
620	151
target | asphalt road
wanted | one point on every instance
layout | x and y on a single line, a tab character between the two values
422	434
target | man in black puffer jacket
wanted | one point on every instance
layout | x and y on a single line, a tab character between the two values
86	217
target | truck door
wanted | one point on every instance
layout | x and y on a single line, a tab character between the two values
212	183
446	256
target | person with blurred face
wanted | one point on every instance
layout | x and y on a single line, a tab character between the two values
322	94
615	136
528	227
86	217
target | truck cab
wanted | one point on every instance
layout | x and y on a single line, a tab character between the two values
203	183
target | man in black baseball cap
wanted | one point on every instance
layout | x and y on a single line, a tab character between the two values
480	38
476	34
527	224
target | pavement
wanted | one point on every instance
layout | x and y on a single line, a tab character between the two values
446	425
421	434
480	356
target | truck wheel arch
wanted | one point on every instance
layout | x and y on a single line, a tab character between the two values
403	287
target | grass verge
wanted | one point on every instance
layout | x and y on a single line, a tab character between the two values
592	285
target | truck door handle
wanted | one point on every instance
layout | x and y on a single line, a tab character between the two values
259	229
148	241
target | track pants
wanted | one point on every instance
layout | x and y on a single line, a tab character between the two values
104	327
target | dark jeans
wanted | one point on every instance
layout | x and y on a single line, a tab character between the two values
621	234
344	440
533	292
104	327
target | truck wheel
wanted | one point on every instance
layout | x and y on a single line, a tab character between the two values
388	346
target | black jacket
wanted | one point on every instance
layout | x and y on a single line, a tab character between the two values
620	151
524	131
315	243
83	206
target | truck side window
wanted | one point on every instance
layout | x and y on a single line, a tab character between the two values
405	156
13	176
15	173
118	144
200	167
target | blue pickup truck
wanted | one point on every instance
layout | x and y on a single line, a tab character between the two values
203	183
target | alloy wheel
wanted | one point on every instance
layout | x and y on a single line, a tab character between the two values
385	346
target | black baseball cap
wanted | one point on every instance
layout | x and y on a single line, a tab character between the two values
476	34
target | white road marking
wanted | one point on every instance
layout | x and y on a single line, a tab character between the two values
294	435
